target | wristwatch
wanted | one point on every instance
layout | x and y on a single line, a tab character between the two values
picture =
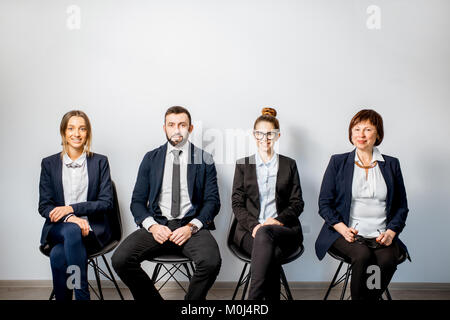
193	227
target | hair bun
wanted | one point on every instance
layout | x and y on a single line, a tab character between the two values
269	112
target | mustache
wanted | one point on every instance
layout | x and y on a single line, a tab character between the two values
176	135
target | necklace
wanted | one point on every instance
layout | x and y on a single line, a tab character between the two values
366	168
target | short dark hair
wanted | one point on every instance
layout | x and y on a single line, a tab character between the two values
178	110
374	118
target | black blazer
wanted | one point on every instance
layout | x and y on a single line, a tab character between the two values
245	197
336	197
99	198
202	188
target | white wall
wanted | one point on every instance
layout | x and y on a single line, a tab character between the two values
315	61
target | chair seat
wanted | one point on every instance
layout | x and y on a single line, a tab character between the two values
245	257
45	249
170	258
336	256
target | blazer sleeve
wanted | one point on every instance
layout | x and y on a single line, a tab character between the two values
46	192
211	199
104	201
289	216
139	199
238	199
400	203
328	194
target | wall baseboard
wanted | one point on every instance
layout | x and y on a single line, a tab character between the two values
300	285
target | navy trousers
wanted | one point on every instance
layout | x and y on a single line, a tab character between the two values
70	248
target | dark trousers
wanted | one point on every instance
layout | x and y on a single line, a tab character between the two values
361	257
202	248
70	248
271	244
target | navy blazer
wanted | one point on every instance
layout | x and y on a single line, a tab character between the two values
336	197
99	198
201	181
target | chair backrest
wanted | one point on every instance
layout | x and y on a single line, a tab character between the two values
230	239
115	222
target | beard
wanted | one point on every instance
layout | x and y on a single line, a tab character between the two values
179	143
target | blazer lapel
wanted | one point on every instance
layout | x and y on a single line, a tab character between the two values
58	180
253	181
281	166
91	176
160	161
348	176
192	170
389	183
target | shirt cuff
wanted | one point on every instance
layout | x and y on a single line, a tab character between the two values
68	216
197	223
148	222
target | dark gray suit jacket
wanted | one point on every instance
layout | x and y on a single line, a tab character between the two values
245	196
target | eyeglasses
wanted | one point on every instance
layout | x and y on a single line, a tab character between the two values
259	135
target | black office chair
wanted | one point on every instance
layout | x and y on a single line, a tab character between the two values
116	227
346	276
177	262
245	276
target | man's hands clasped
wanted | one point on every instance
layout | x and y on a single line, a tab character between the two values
162	233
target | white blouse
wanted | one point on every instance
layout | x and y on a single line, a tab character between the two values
368	208
75	180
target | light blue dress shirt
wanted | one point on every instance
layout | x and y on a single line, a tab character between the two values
266	174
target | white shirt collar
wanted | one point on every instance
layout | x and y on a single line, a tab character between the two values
79	161
184	148
259	162
376	155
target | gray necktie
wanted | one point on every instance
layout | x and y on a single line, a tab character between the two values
175	208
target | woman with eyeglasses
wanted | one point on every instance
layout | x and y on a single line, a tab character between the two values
267	202
75	196
363	202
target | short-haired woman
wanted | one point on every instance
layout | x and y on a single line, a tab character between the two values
363	202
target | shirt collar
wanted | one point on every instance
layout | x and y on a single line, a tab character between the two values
184	148
376	156
79	161
259	162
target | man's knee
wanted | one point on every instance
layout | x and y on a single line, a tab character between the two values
210	264
120	260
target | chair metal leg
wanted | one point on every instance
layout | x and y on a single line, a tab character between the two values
156	272
247	281
286	285
97	278
239	281
52	295
186	267
388	294
112	278
347	276
333	282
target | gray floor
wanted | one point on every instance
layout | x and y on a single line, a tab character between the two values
173	293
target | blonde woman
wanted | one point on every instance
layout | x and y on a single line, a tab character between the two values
75	195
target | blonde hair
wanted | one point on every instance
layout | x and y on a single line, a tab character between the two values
63	127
